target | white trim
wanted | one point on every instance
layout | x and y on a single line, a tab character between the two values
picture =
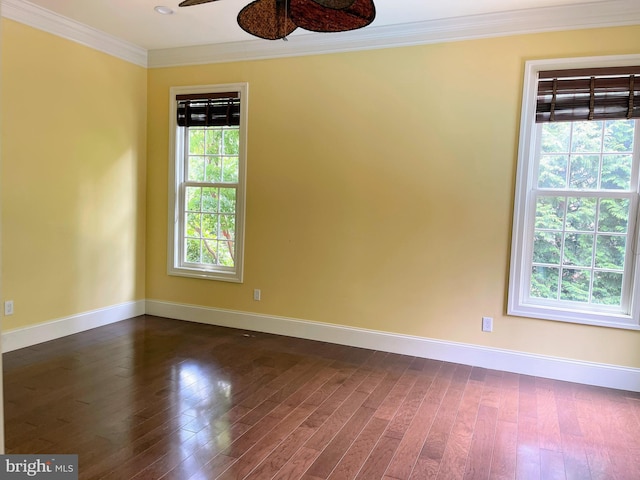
43	332
570	17
611	376
48	21
607	13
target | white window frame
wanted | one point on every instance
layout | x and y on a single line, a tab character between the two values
175	265
518	303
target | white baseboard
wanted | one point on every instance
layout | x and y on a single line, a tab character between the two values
603	375
43	332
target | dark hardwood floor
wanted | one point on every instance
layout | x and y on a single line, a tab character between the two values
152	398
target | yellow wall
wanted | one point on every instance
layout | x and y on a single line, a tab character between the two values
73	177
380	190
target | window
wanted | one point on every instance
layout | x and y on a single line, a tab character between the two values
575	232
207	181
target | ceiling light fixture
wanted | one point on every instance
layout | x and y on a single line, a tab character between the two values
162	10
275	19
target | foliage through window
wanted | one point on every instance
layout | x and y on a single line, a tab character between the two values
575	230
208	185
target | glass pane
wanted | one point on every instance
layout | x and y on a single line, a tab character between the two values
192	251
610	250
192	227
581	214
196	141
550	212
544	282
584	171
210	226
587	136
578	249
209	199
546	247
230	171
552	172
228	226
214	137
614	215
616	172
227	200
194	195
607	288
214	170
575	285
232	142
618	136
225	250
196	169
209	252
555	137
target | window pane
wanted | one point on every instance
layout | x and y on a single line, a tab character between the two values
610	251
231	142
230	171
214	170
544	282
193	226
226	253
209	226
209	252
546	247
192	251
587	136
553	171
555	137
575	285
578	249
607	288
194	195
196	169
618	136
614	215
550	212
209	199
616	172
581	214
214	140
196	141
227	200
228	226
584	171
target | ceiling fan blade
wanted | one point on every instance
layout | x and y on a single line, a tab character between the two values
311	15
266	19
190	3
335	4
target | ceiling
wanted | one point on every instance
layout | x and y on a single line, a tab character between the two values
136	22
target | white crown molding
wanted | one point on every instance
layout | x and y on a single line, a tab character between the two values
606	13
589	373
42	19
572	17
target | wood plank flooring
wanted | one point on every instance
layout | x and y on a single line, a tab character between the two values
152	398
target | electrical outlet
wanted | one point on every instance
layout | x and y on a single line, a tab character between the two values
257	294
487	324
8	307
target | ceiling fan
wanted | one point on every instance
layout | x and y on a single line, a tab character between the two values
275	19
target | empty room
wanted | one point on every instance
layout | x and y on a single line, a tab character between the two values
321	239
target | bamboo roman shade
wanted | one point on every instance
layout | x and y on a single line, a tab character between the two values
588	94
209	109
